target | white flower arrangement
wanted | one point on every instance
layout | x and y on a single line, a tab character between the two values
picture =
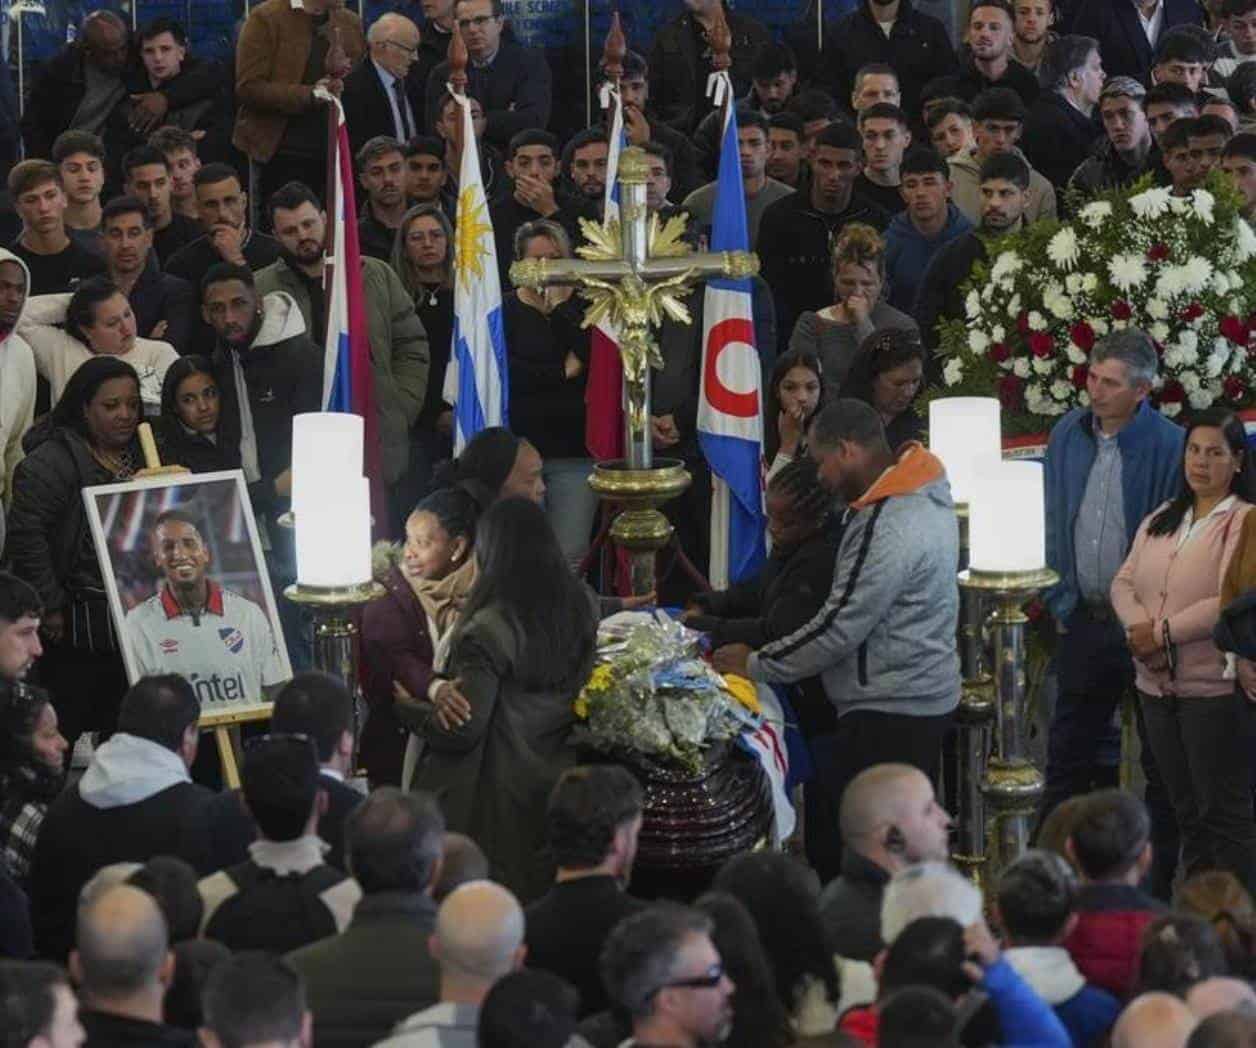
1127	271
1063	248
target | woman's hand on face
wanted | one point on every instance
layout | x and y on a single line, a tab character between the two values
858	306
789	426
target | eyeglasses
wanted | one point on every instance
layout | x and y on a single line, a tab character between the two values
714	975
411	51
478	22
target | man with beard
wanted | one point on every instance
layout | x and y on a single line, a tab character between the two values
146	176
1004	198
382	172
584	164
162	303
797	233
988	60
267	370
1126	150
220	641
20	608
399	347
1031	31
17	376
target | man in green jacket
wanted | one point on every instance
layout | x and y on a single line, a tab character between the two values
399	349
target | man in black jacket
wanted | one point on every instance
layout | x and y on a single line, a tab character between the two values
591	828
680	61
268	370
1127	149
163	304
987	60
796	233
1062	126
511	80
890	820
378	96
1004	183
146	176
381	168
1119	26
917	49
135	800
365	980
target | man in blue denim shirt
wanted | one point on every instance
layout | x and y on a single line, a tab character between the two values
1107	466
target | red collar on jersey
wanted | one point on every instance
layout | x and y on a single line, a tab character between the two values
213	606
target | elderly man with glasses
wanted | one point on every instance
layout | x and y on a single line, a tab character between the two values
380	97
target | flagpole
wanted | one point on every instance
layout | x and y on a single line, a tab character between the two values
332	205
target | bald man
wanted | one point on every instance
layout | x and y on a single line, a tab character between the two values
890	819
379	97
1221	993
122	965
478	939
80	86
1154	1020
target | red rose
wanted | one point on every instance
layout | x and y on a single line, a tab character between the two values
1234	329
1011	390
1041	345
1192	312
1079	376
1172	392
1157	252
1234	388
1022	323
1121	310
998	352
1083	335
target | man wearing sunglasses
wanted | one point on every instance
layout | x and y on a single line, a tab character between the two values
661	967
511	80
379	97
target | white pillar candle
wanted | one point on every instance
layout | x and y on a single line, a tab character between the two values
331	500
965	433
1006	520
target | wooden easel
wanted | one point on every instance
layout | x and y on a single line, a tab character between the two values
225	726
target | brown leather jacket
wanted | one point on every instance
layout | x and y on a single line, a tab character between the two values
270	62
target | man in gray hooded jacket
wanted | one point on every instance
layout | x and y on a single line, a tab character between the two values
883	644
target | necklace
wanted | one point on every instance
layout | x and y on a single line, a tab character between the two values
119	463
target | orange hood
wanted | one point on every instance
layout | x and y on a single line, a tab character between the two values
916	467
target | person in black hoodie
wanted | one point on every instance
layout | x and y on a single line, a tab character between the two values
89	438
267	370
1063	124
188	431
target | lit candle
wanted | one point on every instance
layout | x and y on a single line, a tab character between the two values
1006	519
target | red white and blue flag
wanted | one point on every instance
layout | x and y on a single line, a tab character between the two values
348	384
730	426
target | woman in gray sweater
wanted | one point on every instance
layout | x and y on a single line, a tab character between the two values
836	332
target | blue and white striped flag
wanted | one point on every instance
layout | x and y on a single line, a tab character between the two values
477	381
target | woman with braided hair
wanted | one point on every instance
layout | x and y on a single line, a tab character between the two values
787	593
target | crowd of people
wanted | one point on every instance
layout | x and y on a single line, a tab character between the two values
459	871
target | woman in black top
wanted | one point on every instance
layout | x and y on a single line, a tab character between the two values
187	431
88	439
423	259
548	353
889	373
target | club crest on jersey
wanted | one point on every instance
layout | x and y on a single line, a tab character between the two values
232	638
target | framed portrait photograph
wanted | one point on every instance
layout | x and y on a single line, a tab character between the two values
188	588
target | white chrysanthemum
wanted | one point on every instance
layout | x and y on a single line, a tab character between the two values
1245	239
1171	281
1037	322
1156	309
1059	306
1216	362
953	373
1190	381
978	341
1099	325
1172	357
998	333
1179	205
1089	282
1075	355
1096	213
1220	283
1197	273
1200	399
1159	331
1014	305
1007	264
1170	410
1073	282
987	292
1235	280
1127	271
972	305
1203	202
1061	390
1063	248
1151	203
1020	367
1188	340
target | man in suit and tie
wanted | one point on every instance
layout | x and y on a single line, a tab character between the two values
1129	31
377	97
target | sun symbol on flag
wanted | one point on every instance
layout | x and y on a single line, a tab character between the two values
470	252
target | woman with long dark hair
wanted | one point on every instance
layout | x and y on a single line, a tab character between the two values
521	652
187	431
795	393
32	771
888	373
88	439
1167	596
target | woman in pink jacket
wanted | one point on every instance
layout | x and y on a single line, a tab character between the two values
1166	595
